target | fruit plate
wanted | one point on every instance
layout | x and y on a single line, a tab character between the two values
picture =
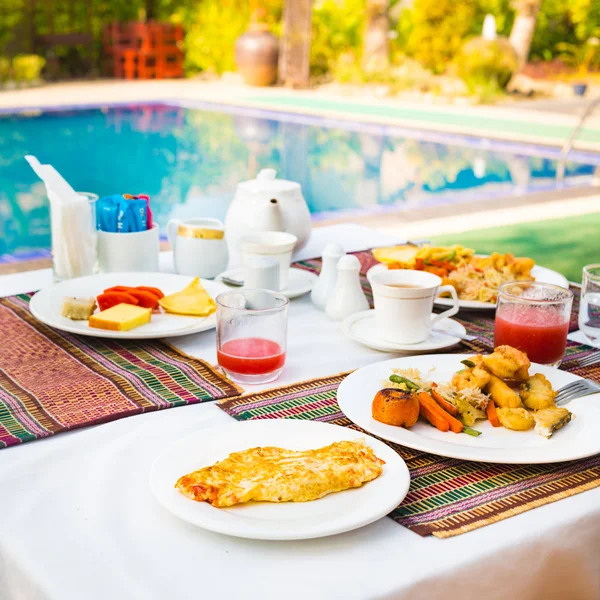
46	304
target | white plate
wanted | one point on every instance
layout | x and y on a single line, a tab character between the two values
335	513
576	440
539	274
360	327
46	304
300	282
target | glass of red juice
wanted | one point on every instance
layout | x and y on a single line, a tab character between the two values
252	334
534	317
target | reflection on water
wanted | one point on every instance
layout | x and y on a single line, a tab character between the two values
190	161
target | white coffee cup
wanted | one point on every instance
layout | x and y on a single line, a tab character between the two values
199	246
127	252
276	244
404	303
262	272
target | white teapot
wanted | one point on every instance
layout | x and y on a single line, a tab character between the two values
267	204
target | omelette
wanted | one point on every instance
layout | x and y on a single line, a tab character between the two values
278	475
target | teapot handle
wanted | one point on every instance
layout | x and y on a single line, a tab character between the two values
172	226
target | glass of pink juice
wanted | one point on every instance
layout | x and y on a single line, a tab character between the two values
534	317
252	334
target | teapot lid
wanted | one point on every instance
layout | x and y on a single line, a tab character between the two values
266	181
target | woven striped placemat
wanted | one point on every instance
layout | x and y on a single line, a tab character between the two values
447	496
51	381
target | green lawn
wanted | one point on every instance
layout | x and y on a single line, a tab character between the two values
565	245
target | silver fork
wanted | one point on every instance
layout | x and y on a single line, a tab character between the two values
577	389
589	360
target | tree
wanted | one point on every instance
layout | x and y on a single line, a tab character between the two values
524	27
376	49
294	57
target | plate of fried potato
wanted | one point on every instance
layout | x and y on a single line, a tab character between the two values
475	277
496	408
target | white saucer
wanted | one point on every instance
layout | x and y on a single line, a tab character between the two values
360	327
300	282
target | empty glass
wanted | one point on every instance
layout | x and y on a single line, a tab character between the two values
589	309
252	334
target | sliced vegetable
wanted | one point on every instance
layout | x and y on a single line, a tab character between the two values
145	299
407	382
433	417
447	406
154	290
468	363
426	400
110	299
471	431
490	411
117	288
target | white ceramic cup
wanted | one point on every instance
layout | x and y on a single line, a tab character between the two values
262	272
275	244
199	246
127	252
404	303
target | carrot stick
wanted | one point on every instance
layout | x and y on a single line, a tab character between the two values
490	411
454	424
449	408
435	419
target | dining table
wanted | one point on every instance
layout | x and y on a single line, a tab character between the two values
78	520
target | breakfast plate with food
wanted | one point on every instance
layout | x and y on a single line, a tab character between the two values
279	479
476	278
498	407
129	305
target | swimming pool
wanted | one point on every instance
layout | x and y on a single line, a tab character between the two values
189	160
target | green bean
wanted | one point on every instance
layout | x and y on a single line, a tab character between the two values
471	431
407	382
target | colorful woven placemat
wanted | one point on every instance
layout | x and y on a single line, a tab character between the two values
52	381
447	497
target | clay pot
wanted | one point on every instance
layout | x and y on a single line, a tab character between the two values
256	55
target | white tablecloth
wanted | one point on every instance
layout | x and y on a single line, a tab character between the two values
78	521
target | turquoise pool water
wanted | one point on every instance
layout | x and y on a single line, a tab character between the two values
189	161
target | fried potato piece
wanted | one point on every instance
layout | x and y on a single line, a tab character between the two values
549	420
507	362
517	419
537	393
471	378
502	395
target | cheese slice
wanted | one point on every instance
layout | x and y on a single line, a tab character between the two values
396	254
192	300
121	317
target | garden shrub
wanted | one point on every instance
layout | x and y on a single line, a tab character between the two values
439	29
11	14
337	29
564	21
211	35
486	66
4	69
27	67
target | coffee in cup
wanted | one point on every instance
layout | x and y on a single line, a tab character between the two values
404	303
